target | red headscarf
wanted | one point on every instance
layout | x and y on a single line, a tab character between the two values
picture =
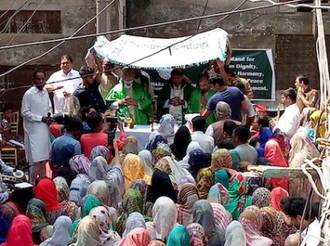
275	197
46	191
138	236
20	232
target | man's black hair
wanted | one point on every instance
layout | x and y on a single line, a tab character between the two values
72	124
294	206
199	123
94	119
253	142
84	111
242	133
290	93
226	144
229	71
36	72
7	107
217	80
263	121
66	56
85	71
304	79
176	72
229	126
203	75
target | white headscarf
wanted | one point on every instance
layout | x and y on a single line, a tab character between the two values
191	147
235	234
61	232
146	158
167	124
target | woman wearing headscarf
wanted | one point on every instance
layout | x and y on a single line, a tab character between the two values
251	220
36	212
80	166
261	197
197	235
46	191
133	169
274	154
100	151
132	202
275	197
137	237
20	232
140	185
205	178
302	149
218	194
235	234
274	227
165	217
166	127
61	232
100	190
179	236
182	138
203	214
130	147
188	195
133	221
161	151
221	216
186	179
101	215
156	243
238	198
173	169
148	164
197	161
193	145
87	204
154	140
87	233
63	191
8	211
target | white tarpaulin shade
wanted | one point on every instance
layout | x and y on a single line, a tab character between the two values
129	50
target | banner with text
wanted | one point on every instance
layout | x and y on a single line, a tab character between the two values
257	67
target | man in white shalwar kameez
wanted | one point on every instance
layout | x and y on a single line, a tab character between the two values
35	109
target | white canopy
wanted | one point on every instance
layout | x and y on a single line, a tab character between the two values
133	50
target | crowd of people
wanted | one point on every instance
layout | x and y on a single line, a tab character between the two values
187	187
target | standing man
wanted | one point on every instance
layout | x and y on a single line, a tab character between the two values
174	97
200	97
69	81
131	98
35	108
88	92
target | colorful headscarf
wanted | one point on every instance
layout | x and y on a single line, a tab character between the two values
166	125
136	237
204	180
133	221
155	139
218	194
221	159
197	161
133	201
197	235
235	234
251	220
163	165
46	191
221	176
101	215
187	196
88	232
61	232
238	200
161	151
147	161
99	169
156	243
80	164
130	146
140	185
100	190
261	197
165	216
133	169
275	197
20	232
62	189
203	214
161	186
186	179
36	212
100	151
193	145
179	236
8	211
220	215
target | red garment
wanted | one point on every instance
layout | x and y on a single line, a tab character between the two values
274	154
46	191
90	140
275	197
20	232
56	129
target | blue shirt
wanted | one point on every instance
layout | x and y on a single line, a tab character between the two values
233	97
64	148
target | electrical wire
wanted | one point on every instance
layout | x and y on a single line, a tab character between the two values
200	21
25	24
59	44
148	26
11	6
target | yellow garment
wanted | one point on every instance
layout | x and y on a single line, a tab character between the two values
314	118
133	169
